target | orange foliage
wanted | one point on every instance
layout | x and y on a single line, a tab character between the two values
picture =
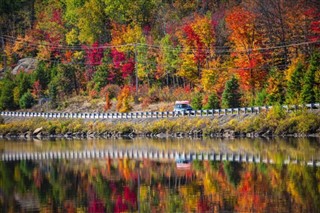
36	89
246	40
23	46
93	94
124	100
251	191
68	56
108	103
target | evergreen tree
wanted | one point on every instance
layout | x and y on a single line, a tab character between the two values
196	101
66	79
6	96
275	88
261	98
23	82
213	102
100	77
26	101
53	94
309	89
42	75
231	94
294	86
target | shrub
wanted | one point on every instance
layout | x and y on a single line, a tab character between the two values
26	101
307	122
181	93
165	94
154	93
146	101
93	94
112	89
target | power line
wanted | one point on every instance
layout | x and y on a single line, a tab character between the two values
217	49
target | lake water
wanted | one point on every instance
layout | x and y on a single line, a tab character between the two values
141	175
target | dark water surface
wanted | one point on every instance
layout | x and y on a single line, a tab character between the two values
274	175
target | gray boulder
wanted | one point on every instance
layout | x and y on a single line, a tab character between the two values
26	65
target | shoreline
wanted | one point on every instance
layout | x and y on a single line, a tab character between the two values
107	136
266	125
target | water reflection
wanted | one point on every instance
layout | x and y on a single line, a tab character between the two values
129	185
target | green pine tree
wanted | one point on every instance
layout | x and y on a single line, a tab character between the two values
231	94
309	89
294	86
196	101
26	101
275	89
42	74
100	77
53	94
213	102
6	96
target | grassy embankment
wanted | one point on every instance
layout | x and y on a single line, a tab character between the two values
274	122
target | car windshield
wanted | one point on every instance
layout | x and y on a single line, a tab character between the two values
181	106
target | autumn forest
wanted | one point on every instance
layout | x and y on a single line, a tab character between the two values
147	51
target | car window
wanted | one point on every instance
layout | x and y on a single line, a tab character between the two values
181	106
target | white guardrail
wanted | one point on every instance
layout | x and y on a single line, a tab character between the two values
167	114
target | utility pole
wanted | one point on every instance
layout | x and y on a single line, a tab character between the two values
136	66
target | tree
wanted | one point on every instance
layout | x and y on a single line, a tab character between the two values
146	62
53	93
92	23
26	101
275	87
168	59
6	96
295	83
42	75
246	38
126	11
124	100
196	101
213	102
261	98
66	79
100	77
309	89
231	94
24	82
49	30
197	37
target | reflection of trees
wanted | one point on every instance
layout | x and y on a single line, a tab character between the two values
303	185
127	185
301	148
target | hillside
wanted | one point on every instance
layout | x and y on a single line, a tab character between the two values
219	53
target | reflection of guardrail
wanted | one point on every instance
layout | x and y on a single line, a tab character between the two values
134	115
143	154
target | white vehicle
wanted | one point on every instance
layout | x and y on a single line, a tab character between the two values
182	106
